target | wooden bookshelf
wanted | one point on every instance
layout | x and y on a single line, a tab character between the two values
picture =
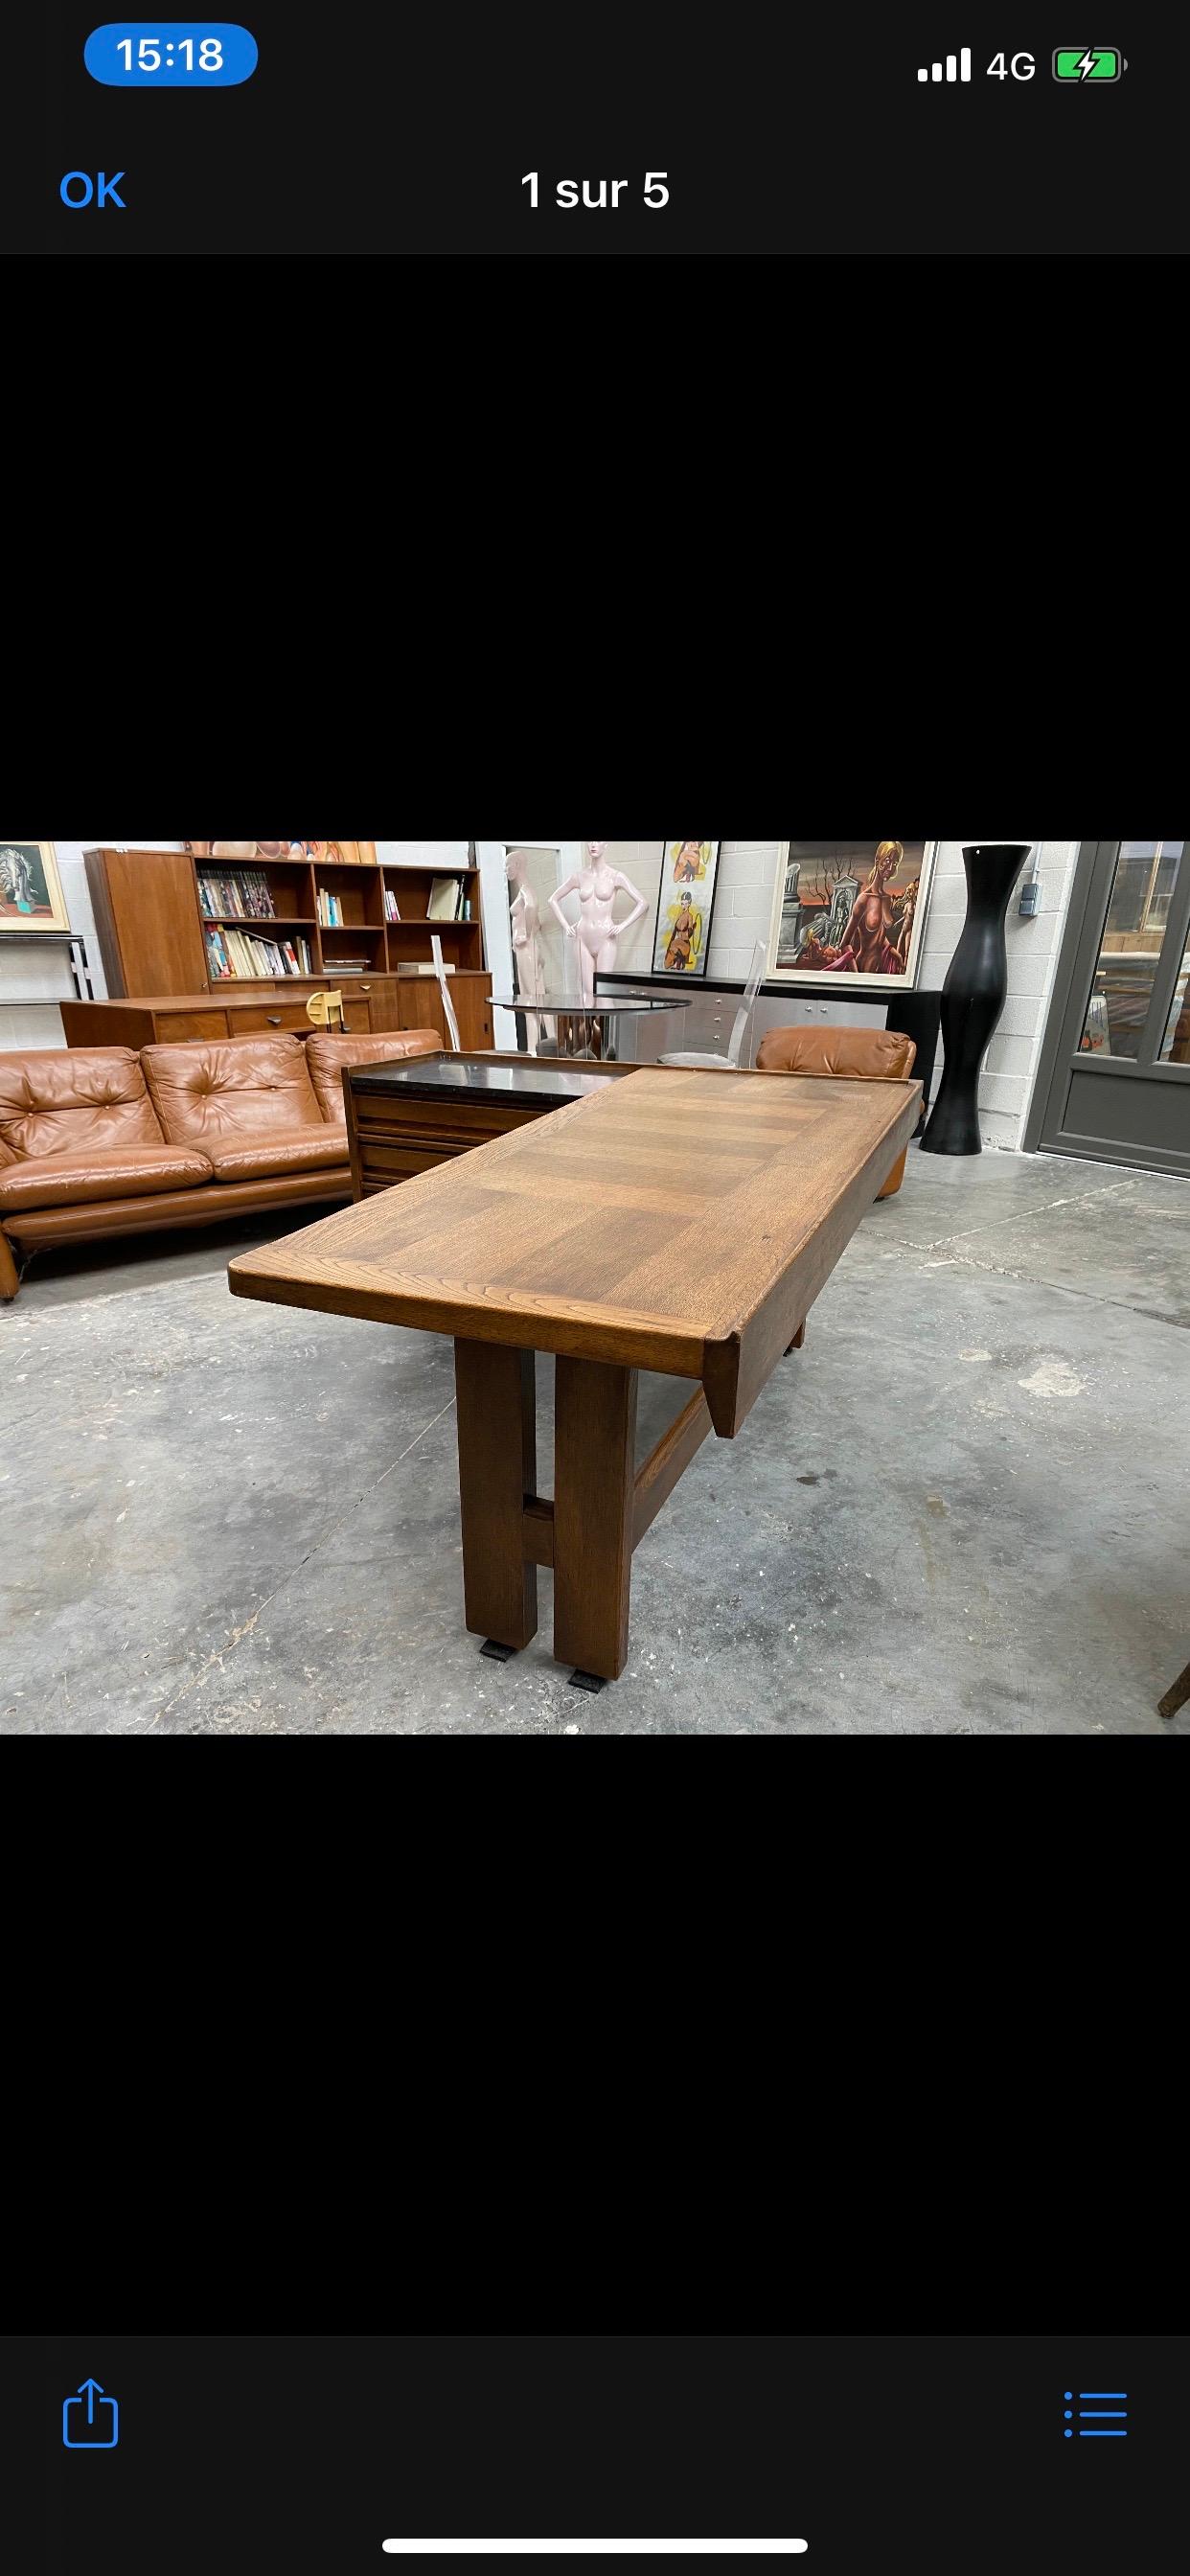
151	920
364	933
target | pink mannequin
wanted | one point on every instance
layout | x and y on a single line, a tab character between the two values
598	935
527	956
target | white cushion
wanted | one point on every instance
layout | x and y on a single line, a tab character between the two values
714	1061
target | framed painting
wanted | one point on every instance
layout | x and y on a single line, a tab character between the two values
31	895
685	907
850	912
327	853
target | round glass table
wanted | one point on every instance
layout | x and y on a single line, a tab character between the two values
588	1028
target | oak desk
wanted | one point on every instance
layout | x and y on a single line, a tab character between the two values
681	1221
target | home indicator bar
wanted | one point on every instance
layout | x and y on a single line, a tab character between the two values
595	2548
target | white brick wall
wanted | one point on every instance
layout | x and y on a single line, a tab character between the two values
33	981
743	903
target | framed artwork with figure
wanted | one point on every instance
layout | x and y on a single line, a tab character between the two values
685	907
850	913
327	853
31	896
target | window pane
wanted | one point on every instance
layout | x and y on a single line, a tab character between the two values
1175	1045
1146	874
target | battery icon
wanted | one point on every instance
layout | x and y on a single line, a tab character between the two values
1089	63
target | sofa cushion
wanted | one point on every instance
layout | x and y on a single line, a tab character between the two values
326	1057
73	1099
207	1093
111	1172
172	1207
258	1158
871	1055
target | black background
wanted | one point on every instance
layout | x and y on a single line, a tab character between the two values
936	2454
781	128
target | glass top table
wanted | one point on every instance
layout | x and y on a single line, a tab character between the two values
588	1028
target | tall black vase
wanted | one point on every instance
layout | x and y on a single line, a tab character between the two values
973	995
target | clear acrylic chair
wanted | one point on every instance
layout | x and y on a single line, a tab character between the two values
735	1055
444	988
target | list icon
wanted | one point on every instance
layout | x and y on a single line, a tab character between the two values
1101	2414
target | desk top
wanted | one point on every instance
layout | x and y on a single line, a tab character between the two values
532	1079
680	1221
236	993
605	1006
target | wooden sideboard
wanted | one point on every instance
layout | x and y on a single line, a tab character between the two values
373	1005
421	1007
395	1129
369	1008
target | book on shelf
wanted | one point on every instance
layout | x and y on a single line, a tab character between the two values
415	968
392	909
237	955
446	894
247	894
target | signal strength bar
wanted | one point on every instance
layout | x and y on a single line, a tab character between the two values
958	67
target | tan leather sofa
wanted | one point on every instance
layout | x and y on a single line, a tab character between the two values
851	1055
99	1140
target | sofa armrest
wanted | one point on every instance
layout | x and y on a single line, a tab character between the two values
328	1058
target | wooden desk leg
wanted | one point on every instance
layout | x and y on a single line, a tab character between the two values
497	1410
1176	1696
594	1477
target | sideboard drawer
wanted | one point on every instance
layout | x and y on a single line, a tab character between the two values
286	1015
189	1024
447	1127
381	1171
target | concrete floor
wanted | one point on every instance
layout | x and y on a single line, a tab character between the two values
961	1510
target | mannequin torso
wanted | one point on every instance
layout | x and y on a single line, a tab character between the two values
597	931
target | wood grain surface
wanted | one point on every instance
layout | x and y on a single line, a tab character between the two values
681	1222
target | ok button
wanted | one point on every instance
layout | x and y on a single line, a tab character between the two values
79	189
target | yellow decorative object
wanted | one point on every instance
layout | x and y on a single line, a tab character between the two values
323	1007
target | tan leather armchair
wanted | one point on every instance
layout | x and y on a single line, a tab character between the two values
848	1055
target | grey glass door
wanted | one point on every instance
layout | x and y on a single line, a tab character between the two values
1114	1080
